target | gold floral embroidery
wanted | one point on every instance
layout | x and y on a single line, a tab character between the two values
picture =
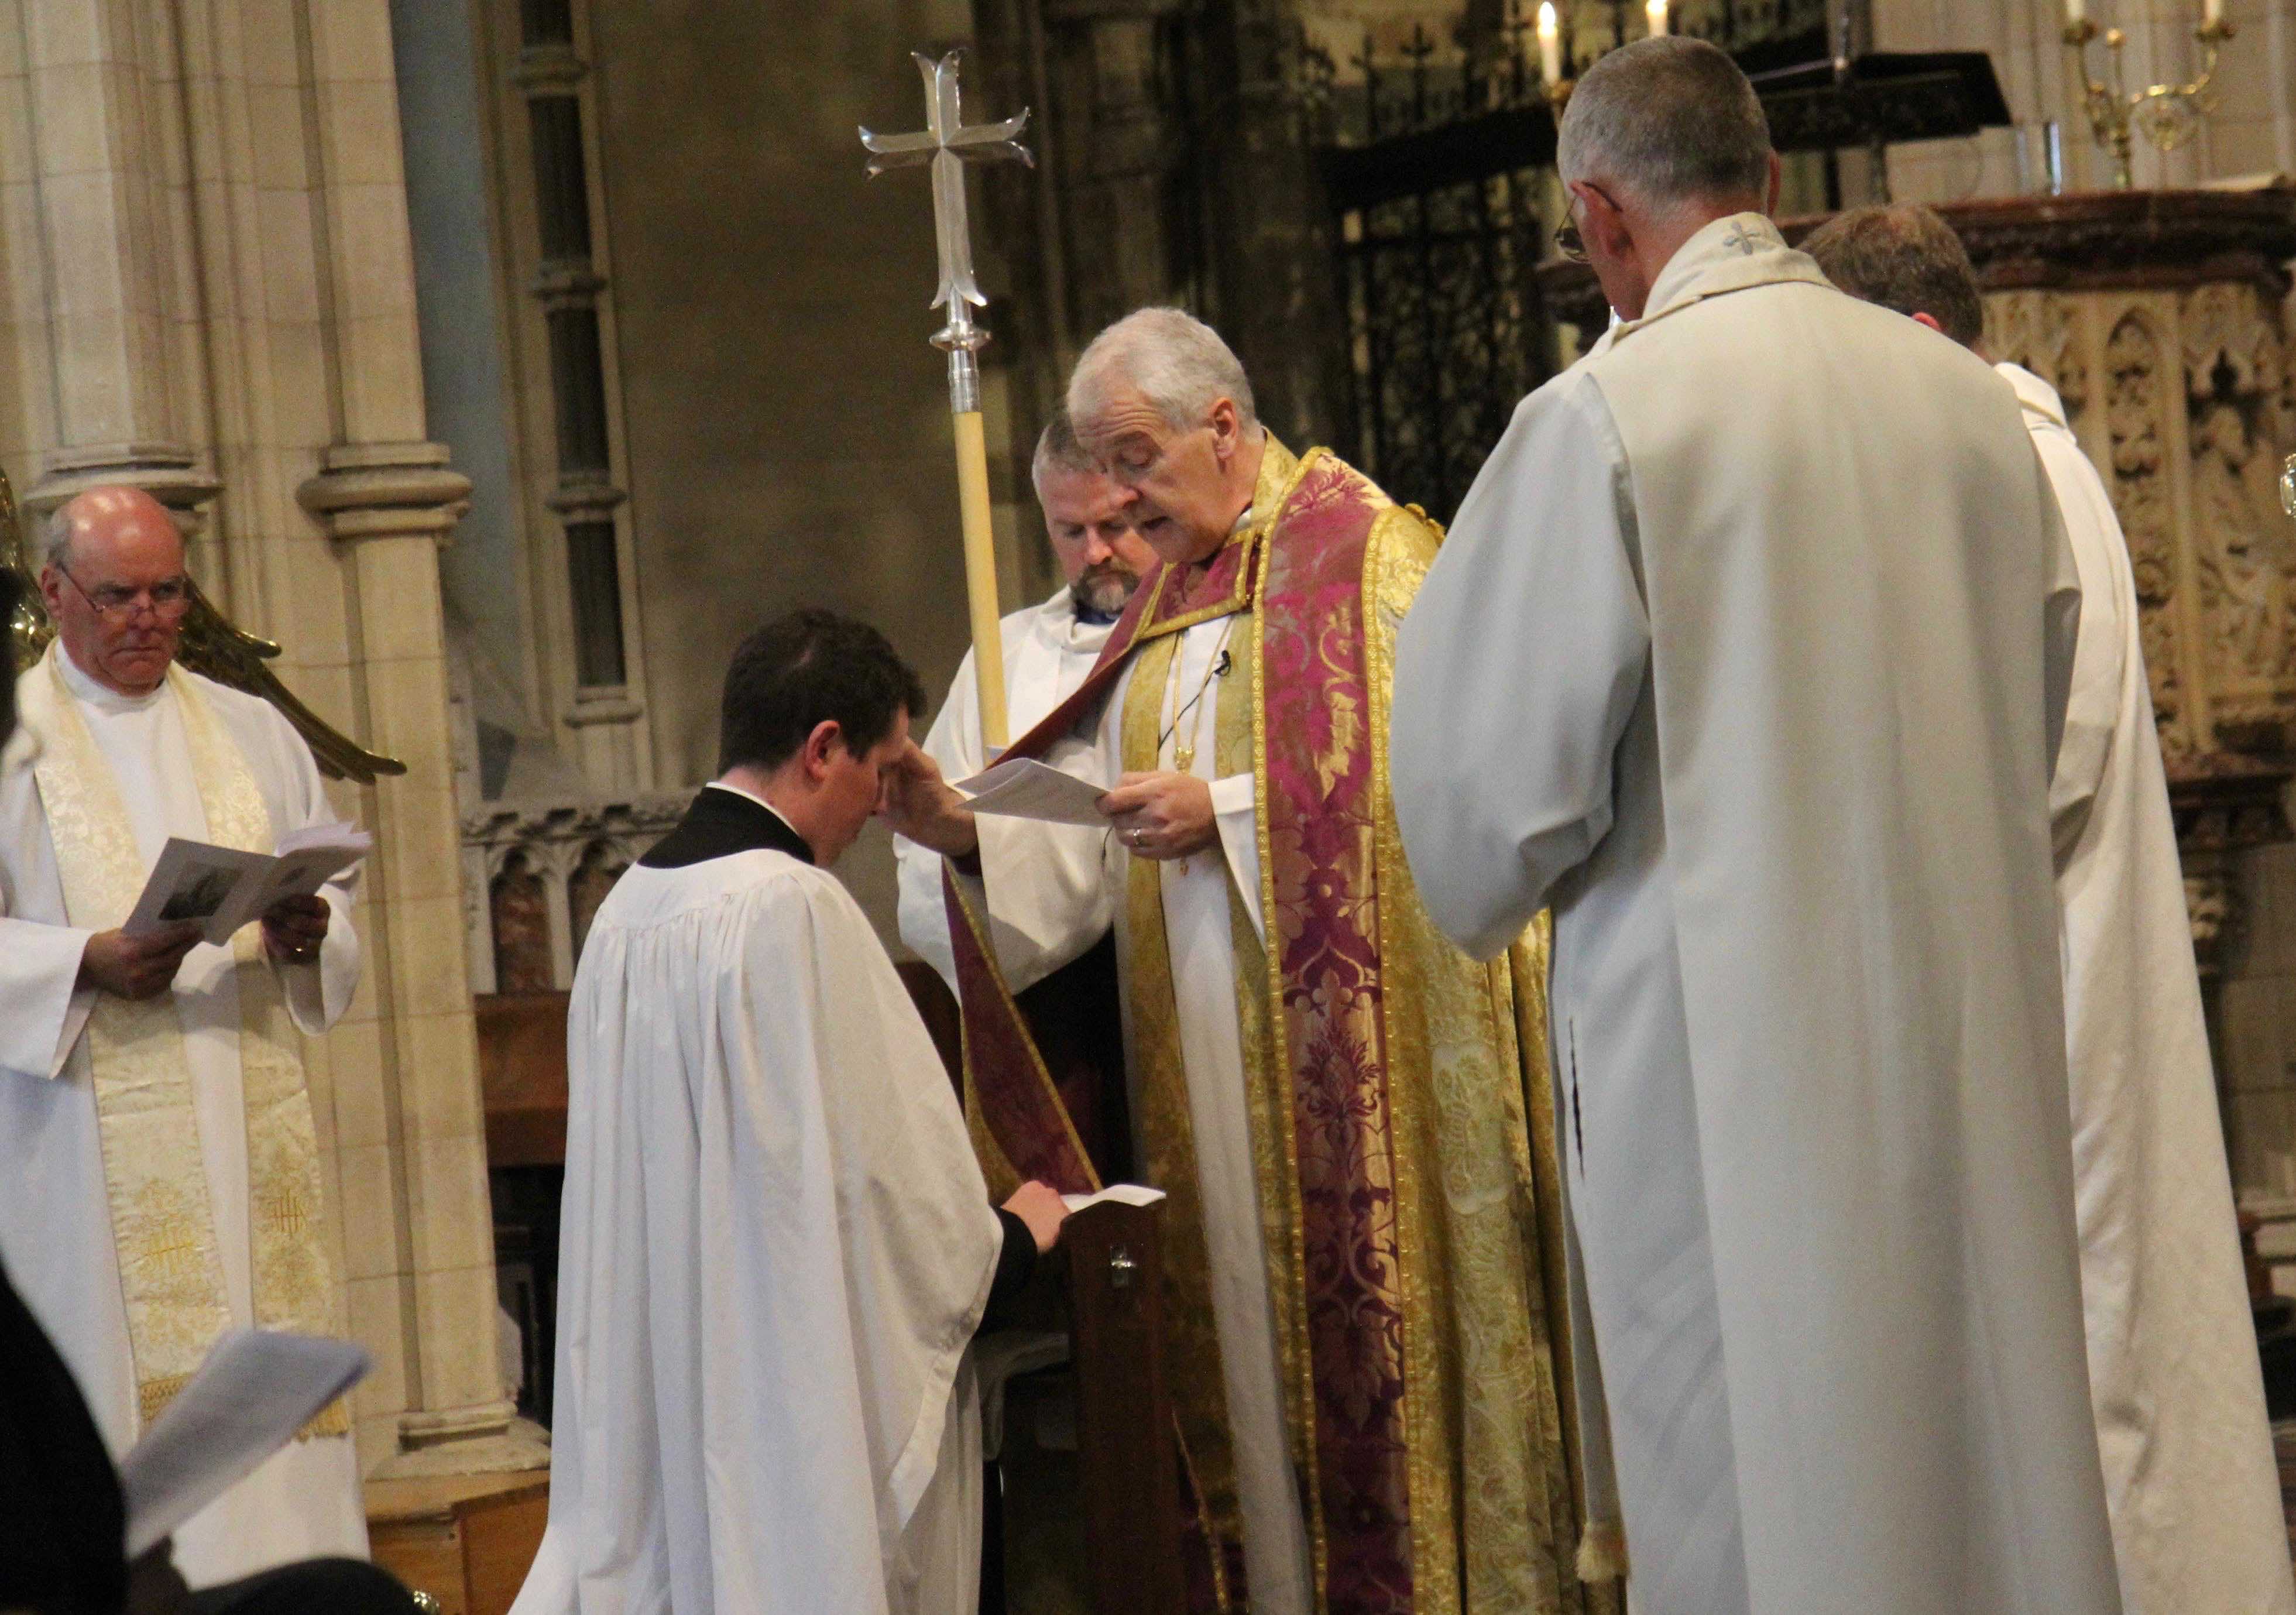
155	1178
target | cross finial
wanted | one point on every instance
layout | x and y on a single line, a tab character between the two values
948	145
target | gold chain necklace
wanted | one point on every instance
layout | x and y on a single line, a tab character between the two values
1184	751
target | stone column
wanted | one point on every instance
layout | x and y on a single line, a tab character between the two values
100	88
388	499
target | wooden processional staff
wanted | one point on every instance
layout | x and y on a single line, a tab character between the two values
1127	1451
948	145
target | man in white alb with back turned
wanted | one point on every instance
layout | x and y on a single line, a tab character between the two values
1741	655
777	1245
2189	1474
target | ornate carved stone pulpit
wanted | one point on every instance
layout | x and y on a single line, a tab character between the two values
2159	317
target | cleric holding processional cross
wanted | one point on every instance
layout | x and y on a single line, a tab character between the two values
1364	1286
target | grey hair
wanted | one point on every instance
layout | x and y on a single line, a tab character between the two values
1058	450
56	530
1670	119
1174	360
1905	257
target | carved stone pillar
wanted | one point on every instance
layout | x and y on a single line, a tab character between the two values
387	499
107	231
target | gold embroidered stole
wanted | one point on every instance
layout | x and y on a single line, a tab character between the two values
155	1178
1164	1126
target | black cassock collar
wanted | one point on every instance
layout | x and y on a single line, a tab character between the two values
720	823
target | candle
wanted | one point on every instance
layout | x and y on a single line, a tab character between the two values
2212	11
1655	10
1550	44
2076	11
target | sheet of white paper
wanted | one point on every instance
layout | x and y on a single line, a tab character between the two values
1127	1194
1026	789
256	1389
308	860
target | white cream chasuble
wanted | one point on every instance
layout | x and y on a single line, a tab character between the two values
2188	1467
160	1181
1744	654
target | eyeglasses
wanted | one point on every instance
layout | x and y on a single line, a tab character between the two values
1570	245
169	599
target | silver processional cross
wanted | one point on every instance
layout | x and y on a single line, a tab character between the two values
948	144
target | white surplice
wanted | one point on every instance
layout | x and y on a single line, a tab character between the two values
1048	650
1744	654
776	1247
2189	1472
55	1221
1051	891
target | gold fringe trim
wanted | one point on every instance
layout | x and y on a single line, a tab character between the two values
1603	1552
332	1420
152	1396
151	1399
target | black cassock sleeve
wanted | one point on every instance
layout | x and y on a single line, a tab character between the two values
63	1524
1016	1264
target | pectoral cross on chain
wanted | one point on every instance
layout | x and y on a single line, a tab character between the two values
948	145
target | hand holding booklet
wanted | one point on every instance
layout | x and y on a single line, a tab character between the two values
1023	788
255	1391
223	888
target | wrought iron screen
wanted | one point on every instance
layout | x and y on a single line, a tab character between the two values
1438	162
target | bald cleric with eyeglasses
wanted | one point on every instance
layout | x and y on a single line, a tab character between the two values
159	1173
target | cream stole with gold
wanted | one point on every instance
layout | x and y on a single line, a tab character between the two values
171	1272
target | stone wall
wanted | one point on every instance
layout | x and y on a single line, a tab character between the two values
2251	131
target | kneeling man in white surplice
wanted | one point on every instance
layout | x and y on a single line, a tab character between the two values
777	1245
160	1179
2173	1373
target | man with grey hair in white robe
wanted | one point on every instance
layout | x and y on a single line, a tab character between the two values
152	1070
2189	1472
1746	653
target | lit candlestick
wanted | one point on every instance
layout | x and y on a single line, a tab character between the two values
1655	10
1550	44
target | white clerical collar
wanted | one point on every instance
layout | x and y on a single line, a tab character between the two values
88	693
760	801
1060	625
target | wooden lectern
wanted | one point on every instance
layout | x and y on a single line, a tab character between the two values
1126	1444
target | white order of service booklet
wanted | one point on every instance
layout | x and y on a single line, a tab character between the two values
223	888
